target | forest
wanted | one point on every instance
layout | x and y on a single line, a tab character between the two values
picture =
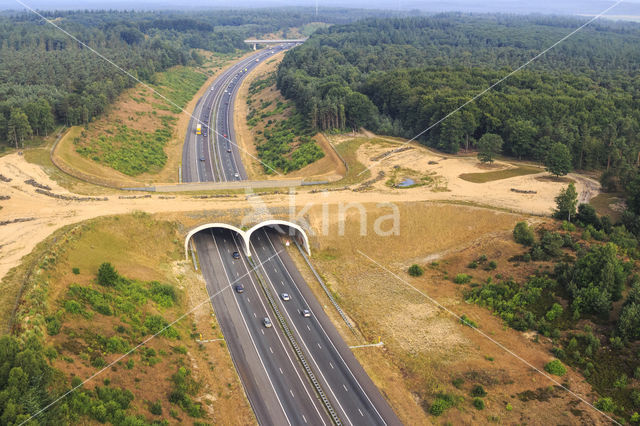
47	79
400	76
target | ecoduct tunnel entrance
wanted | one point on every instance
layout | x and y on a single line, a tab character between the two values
283	227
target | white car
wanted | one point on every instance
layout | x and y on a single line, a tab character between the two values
266	322
306	313
285	297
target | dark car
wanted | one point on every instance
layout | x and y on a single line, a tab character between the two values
202	158
239	289
235	255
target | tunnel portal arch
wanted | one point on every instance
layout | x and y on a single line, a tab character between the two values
246	235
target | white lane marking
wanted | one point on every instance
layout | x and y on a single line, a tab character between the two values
237	273
319	346
304	418
270	350
275	270
345	388
250	336
254	315
308	328
282	282
291	392
248	300
281	372
331	365
360	411
278	335
328	338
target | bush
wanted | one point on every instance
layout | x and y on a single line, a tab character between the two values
53	325
472	265
523	234
155	408
76	271
464	320
415	270
98	362
462	279
478	403
555	367
73	307
107	275
478	390
442	403
605	404
491	265
458	382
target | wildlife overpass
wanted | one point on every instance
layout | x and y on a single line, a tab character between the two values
256	42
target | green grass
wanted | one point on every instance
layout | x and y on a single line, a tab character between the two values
133	152
348	151
602	204
499	174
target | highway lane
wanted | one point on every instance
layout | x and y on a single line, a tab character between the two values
352	393
214	156
273	379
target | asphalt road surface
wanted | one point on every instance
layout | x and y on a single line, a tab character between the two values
277	386
213	156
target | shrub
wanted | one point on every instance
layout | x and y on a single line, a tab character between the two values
107	275
98	362
415	270
130	363
555	367
509	407
155	408
478	390
76	271
605	404
442	403
478	403
523	234
462	279
458	382
472	265
73	307
464	320
491	265
53	325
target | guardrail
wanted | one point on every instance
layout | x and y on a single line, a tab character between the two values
326	289
296	348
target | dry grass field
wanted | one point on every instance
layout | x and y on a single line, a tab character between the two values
425	348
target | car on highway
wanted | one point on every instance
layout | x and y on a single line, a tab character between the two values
202	158
237	176
266	322
235	255
228	149
285	296
225	135
306	313
239	288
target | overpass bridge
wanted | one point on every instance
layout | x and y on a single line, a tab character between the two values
256	42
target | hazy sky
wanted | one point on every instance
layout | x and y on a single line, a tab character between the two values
581	7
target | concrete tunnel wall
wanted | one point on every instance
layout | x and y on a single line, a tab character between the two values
246	235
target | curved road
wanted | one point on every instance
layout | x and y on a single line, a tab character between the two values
275	381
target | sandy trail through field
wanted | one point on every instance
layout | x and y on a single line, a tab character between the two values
48	214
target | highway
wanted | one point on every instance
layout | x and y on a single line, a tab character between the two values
274	381
352	393
212	156
277	383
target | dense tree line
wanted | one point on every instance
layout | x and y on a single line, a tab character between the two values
48	78
399	76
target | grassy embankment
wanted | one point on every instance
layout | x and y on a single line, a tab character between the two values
84	323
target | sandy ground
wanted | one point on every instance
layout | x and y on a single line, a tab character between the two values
18	239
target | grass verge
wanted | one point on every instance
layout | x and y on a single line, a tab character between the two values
499	174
